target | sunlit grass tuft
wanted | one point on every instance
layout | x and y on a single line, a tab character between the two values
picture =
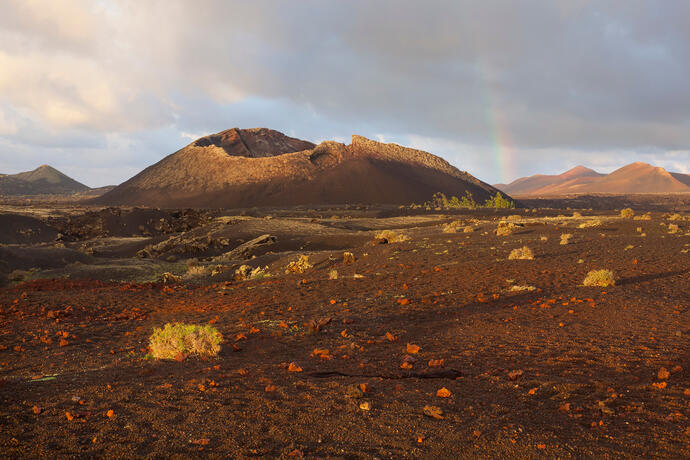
601	278
178	340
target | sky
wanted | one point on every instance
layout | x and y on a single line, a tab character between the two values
499	88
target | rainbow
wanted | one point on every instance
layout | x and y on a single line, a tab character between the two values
503	152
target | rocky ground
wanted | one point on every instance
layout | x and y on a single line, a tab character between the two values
436	346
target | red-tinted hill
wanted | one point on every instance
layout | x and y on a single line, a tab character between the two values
532	184
44	180
634	178
260	167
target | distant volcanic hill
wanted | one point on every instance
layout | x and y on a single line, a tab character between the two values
634	178
241	168
539	182
44	180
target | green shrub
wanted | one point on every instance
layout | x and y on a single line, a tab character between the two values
499	202
468	202
180	340
602	278
440	201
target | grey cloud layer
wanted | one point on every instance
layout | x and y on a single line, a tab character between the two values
575	77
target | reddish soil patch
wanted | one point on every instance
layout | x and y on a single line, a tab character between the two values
564	371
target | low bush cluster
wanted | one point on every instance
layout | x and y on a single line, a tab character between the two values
601	278
523	253
451	227
440	201
300	265
627	213
178	340
391	236
247	272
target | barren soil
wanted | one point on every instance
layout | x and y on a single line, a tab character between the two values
559	371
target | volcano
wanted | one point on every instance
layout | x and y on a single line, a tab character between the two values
242	168
636	177
44	180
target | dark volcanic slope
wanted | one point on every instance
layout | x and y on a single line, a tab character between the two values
44	180
261	167
684	178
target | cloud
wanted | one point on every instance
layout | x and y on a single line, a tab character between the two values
500	88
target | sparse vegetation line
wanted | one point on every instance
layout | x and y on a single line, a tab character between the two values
440	201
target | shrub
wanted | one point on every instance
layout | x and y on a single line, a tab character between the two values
565	238
523	253
601	278
451	227
441	201
647	216
577	214
195	270
18	275
544	238
468	229
498	202
467	201
505	228
333	274
168	277
590	223
627	213
178	340
672	228
218	269
348	258
391	237
299	266
247	272
192	262
522	288
675	216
